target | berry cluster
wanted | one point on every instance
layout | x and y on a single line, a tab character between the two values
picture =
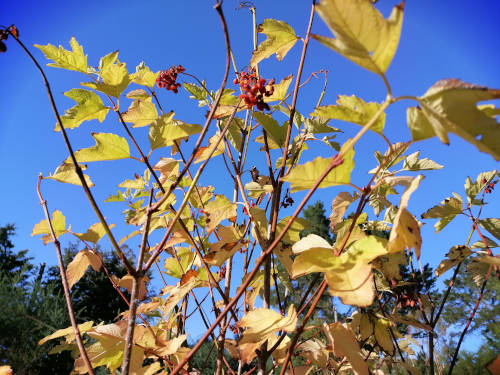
4	34
489	188
167	78
254	89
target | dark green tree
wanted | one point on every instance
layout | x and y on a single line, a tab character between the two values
94	297
486	322
30	311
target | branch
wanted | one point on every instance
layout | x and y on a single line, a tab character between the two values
64	281
78	170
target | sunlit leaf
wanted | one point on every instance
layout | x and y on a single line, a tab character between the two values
446	212
362	34
165	130
115	79
77	267
141	112
68	332
180	264
339	206
352	109
71	60
345	345
354	285
450	105
304	176
58	224
383	335
144	76
280	39
89	106
405	232
492	225
126	282
280	90
273	129
454	256
260	325
108	146
413	163
66	173
94	233
217	210
204	152
472	189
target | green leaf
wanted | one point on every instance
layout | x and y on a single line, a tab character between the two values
280	39
58	224
165	130
304	176
89	107
413	163
352	109
293	233
276	132
317	126
455	255
233	133
71	60
197	93
143	76
116	198
255	189
141	112
450	106
446	211
115	79
108	146
179	265
492	225
66	173
361	33
473	189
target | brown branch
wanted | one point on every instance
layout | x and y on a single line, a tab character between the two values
64	281
336	161
136	281
78	170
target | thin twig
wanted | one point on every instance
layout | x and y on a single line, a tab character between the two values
64	281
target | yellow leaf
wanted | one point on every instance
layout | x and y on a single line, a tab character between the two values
79	264
58	224
68	332
365	327
89	106
66	173
180	264
280	90
345	344
165	130
315	351
362	34
455	255
450	105
280	39
204	152
144	76
108	146
260	325
217	210
94	233
126	282
405	232
115	79
383	335
354	286
304	176
71	60
339	206
141	112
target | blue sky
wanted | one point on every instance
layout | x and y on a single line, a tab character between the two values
440	39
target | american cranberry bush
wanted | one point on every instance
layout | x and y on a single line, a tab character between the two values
202	236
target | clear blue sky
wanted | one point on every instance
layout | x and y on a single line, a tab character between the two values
440	39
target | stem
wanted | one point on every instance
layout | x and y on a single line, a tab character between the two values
478	301
64	281
78	170
137	278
